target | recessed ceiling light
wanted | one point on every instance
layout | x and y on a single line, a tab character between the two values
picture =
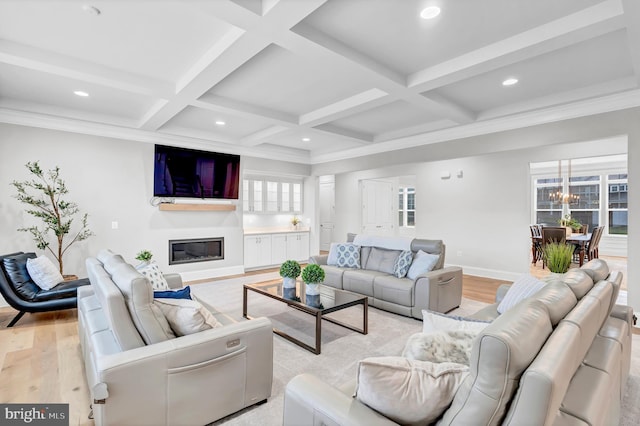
430	12
306	139
91	10
220	123
80	93
510	81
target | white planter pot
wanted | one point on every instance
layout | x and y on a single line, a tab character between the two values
288	282
312	289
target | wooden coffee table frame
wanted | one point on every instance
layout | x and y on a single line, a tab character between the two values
319	314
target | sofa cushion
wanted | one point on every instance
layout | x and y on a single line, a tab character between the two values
577	280
114	306
402	264
408	392
422	263
523	287
19	278
138	295
558	299
44	273
597	269
360	281
501	352
382	260
394	290
332	276
186	316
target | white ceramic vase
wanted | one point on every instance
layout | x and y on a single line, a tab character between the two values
288	282
312	289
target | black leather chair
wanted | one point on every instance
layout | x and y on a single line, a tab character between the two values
22	294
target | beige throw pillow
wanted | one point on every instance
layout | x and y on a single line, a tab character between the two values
186	316
406	391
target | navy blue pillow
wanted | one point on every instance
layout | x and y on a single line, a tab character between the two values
183	293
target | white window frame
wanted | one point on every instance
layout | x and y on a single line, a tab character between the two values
405	191
278	180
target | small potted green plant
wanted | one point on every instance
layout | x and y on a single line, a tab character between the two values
289	271
568	222
558	256
144	256
313	275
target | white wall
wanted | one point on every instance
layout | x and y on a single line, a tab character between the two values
112	180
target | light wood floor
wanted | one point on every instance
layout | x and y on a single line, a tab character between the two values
41	362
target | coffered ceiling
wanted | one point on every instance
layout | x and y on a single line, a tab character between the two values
313	80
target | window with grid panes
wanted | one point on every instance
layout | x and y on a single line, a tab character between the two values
407	207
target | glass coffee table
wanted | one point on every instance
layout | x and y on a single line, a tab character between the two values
331	300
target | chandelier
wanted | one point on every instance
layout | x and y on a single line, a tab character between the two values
561	197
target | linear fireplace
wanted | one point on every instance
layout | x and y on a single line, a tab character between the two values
195	250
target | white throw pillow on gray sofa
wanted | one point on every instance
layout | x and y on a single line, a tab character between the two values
406	391
434	321
422	263
186	316
525	286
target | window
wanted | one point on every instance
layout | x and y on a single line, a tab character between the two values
600	184
617	205
407	207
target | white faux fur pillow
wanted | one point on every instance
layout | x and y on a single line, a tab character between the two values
406	391
440	346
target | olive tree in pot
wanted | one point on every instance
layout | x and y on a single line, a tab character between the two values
43	195
558	256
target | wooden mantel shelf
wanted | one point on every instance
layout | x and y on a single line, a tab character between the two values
197	207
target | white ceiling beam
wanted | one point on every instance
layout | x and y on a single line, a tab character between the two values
414	130
348	106
231	54
562	98
225	105
353	135
63	66
583	25
632	18
309	41
259	137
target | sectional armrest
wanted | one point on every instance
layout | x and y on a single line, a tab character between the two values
85	291
174	280
237	358
439	290
319	259
308	401
623	312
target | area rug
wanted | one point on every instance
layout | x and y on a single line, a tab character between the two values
341	348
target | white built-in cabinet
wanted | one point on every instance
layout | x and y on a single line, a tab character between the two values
265	250
271	195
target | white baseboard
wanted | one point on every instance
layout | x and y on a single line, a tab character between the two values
489	273
211	273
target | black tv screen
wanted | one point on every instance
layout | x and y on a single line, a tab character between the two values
182	172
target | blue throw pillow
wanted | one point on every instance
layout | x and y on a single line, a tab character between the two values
183	293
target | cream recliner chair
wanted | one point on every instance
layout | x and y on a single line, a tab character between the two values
139	373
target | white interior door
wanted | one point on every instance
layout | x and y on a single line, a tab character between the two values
327	214
377	207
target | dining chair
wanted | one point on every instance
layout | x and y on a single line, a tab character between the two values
536	245
584	229
552	234
594	242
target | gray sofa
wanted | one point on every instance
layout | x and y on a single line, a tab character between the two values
439	290
560	357
139	373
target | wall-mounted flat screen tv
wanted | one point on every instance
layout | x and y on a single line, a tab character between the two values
182	172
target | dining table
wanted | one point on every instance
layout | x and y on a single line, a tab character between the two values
580	240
